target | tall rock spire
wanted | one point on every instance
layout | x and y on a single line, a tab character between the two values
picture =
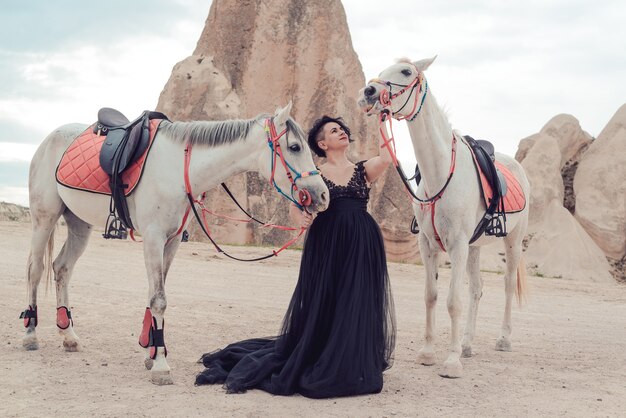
256	55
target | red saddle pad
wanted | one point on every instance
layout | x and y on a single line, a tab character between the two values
80	165
514	200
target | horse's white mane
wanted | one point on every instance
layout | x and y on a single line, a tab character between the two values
208	133
215	133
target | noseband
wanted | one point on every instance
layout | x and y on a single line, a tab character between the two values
386	97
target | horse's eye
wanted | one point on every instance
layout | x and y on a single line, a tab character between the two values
406	72
294	148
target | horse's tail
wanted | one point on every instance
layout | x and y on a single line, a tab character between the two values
521	289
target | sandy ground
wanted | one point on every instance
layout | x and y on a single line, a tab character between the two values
568	358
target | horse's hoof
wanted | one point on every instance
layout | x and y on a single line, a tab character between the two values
30	343
161	377
467	351
71	346
452	369
503	344
148	362
426	358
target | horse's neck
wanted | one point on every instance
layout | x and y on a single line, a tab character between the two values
431	135
211	166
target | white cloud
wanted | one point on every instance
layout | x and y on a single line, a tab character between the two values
15	152
504	69
76	83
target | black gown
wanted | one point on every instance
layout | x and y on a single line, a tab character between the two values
338	334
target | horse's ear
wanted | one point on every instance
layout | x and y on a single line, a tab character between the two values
281	115
423	65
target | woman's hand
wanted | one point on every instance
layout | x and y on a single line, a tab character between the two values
300	217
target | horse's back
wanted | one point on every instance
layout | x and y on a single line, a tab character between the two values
42	188
55	144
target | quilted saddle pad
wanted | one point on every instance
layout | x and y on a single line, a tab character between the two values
514	199
80	165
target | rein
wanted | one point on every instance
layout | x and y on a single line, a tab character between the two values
390	144
303	195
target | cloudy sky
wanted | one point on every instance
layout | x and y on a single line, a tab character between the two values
503	68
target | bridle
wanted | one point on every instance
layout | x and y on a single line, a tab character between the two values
304	197
386	96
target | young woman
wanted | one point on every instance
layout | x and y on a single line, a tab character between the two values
338	334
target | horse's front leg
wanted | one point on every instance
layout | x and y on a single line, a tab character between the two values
475	293
168	256
430	256
458	250
152	335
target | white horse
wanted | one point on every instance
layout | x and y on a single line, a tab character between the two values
457	203
157	206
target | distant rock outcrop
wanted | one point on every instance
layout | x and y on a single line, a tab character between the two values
557	243
13	212
256	55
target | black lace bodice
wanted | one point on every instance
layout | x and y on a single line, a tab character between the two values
356	188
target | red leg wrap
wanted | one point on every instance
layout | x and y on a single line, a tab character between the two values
64	317
151	336
29	315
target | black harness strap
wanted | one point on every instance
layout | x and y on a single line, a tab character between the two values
241	207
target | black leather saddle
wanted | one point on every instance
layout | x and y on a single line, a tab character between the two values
125	142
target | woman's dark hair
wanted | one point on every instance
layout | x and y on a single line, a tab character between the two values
317	129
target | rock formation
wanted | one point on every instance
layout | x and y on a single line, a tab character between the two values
256	55
600	191
557	243
13	212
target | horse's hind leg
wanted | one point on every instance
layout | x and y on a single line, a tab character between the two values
513	253
475	293
45	209
78	233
